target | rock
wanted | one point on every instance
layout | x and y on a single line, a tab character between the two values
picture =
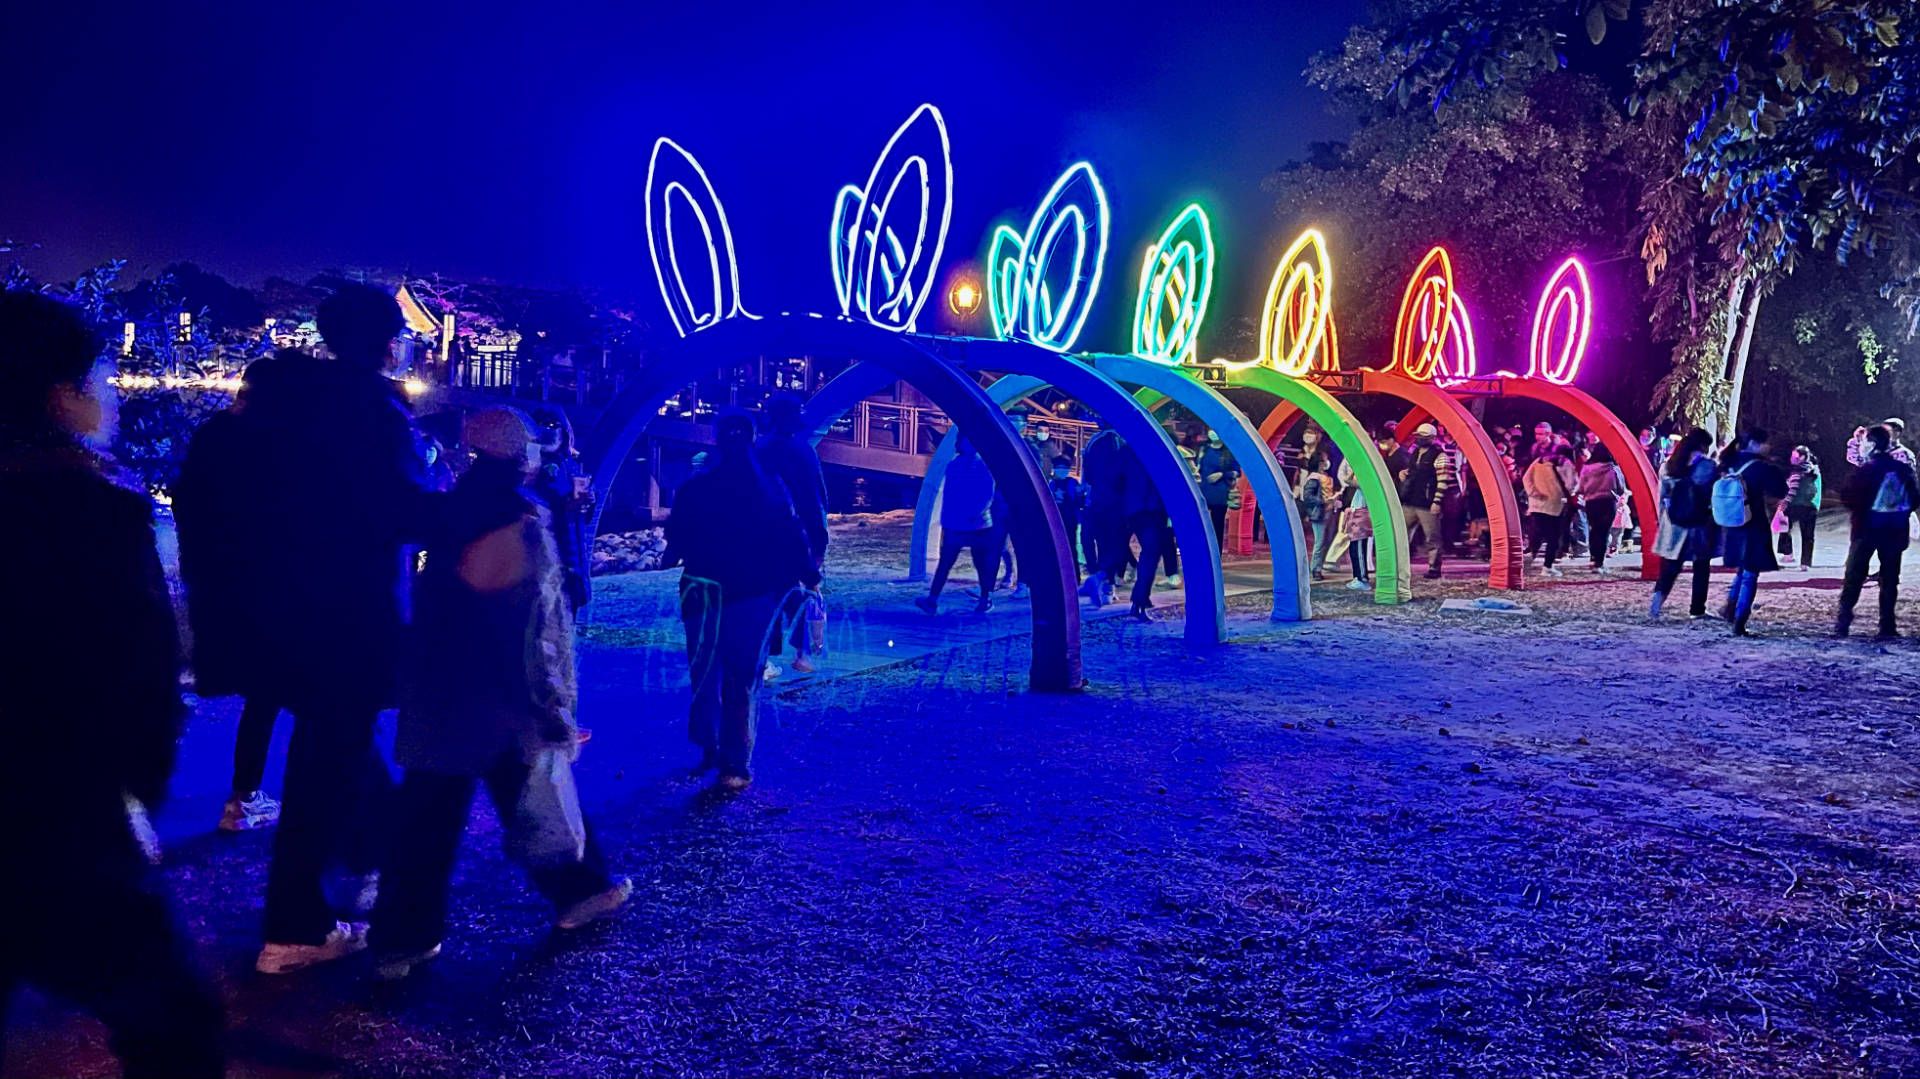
1472	768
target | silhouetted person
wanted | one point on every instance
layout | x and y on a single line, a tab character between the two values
968	504
1103	530
787	456
744	553
565	490
1686	532
91	710
1881	497
1748	548
342	493
489	697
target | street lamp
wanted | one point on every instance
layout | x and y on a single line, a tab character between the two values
964	298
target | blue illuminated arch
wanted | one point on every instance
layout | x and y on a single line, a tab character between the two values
1074	215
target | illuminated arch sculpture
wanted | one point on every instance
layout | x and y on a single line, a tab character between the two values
1026	367
678	190
1297	334
1039	539
1073	217
1434	346
1562	327
884	272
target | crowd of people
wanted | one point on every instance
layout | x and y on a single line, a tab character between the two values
338	564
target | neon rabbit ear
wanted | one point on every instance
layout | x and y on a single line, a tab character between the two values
1296	321
889	234
1041	284
1176	282
1562	323
683	210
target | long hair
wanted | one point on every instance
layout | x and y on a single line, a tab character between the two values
1680	464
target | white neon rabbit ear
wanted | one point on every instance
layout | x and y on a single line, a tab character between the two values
1073	217
682	208
888	235
1176	281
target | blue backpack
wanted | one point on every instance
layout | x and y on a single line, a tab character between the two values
1730	508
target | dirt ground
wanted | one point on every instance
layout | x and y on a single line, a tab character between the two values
1389	842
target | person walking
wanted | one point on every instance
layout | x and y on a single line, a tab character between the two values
745	553
1880	498
1103	537
1069	499
1549	483
967	506
1424	484
1741	508
1801	507
1601	486
565	491
787	454
90	745
1359	526
489	698
1218	473
210	515
1146	519
342	495
1686	532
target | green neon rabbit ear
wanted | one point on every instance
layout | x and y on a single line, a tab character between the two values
1041	284
888	235
1176	281
683	211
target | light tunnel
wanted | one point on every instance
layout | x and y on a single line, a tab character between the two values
1504	518
1038	538
1026	368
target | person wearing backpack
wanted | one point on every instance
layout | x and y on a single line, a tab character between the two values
1602	486
1881	496
1686	532
1315	493
1801	508
1741	508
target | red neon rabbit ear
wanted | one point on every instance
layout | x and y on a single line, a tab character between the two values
1562	323
1426	312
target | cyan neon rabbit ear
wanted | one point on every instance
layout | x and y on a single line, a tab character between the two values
1062	258
1176	281
1562	323
1005	256
683	211
889	234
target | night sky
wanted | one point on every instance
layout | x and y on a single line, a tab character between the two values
510	141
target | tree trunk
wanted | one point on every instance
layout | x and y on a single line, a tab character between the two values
1741	352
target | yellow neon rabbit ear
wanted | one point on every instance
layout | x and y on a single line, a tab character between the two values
1296	322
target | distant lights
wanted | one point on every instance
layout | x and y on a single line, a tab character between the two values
1070	228
1562	324
888	235
1176	283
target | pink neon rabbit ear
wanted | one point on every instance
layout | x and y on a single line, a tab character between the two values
690	242
888	235
1562	324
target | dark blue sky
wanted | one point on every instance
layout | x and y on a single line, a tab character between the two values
510	141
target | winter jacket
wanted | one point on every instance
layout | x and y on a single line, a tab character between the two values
1140	496
1100	471
1803	486
334	493
1750	547
1217	460
1600	479
734	526
570	519
1691	537
791	461
219	556
1549	486
1881	495
490	660
967	497
91	710
1429	476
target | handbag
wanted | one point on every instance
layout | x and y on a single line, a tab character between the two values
816	623
547	826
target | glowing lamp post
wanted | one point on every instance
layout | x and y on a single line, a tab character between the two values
964	298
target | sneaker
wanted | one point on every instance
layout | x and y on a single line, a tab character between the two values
345	939
803	665
1020	591
595	907
1653	608
985	605
244	814
1358	585
394	968
1432	575
1138	612
733	782
771	672
928	604
1554	571
1603	571
1172	580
